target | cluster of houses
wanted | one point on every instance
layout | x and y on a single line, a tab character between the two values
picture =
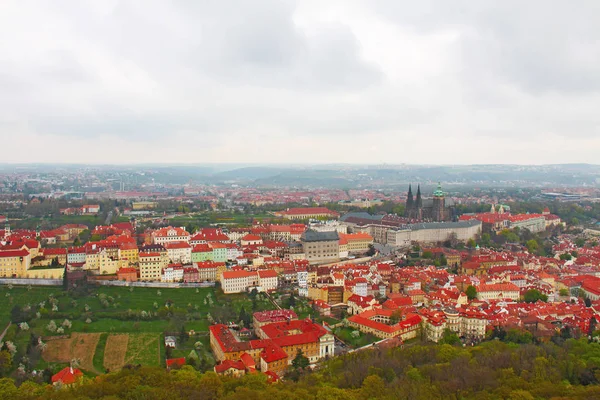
280	337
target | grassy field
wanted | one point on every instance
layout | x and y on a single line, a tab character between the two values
98	359
144	348
205	219
109	330
346	335
58	220
22	296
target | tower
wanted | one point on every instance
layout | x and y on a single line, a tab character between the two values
419	204
409	199
6	231
439	204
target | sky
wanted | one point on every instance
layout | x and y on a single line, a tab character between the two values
307	81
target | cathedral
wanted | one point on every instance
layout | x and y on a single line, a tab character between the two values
434	209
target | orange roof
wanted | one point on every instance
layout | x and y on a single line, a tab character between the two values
267	273
177	245
237	274
226	365
251	237
67	376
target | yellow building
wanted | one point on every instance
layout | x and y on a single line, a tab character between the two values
130	253
151	265
45	273
14	263
144	205
102	263
357	242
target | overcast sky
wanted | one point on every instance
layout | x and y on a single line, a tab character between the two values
323	81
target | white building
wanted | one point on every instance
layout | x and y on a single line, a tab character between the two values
170	234
267	279
498	291
179	252
238	281
172	274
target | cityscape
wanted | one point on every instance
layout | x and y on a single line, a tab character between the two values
299	200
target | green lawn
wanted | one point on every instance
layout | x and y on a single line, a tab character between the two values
346	335
144	348
21	296
99	354
107	309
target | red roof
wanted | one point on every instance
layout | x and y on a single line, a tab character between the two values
14	253
180	362
67	376
251	238
309	211
177	245
163	232
229	364
151	254
274	315
237	274
273	353
267	273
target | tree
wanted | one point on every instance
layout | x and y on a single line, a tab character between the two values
395	317
563	292
428	255
471	243
300	361
533	295
486	240
65	280
372	251
5	362
471	292
532	246
183	335
592	327
565	256
449	337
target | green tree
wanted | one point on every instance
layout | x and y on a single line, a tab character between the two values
532	246
5	362
395	317
300	361
471	243
486	240
565	256
533	295
373	387
65	280
563	292
428	255
471	292
449	337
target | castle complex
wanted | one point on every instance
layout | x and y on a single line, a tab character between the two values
436	209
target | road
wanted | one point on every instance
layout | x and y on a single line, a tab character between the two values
108	217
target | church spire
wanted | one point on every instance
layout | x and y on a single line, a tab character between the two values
419	200
409	198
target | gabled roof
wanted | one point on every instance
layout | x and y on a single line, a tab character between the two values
67	376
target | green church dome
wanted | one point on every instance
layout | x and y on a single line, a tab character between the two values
439	192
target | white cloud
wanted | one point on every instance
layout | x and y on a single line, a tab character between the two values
306	81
